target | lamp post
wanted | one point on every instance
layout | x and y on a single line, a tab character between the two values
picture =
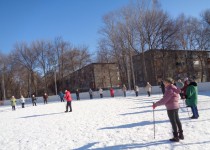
55	80
3	85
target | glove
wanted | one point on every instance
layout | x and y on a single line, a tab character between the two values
153	106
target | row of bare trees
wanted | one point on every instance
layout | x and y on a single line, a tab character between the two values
143	25
40	66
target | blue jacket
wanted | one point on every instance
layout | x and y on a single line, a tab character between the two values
61	94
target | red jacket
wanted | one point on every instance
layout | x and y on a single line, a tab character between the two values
184	89
112	91
68	96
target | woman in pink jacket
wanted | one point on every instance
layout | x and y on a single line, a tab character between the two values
171	101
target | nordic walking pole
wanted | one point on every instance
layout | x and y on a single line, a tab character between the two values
186	107
154	120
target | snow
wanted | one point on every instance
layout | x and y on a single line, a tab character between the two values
107	123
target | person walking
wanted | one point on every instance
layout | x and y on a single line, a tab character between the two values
91	93
171	101
192	98
22	100
77	94
124	89
162	86
184	89
180	85
61	95
101	92
13	102
33	98
148	88
68	100
112	92
136	91
45	97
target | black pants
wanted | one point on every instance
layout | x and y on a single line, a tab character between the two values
78	98
148	92
45	101
34	103
101	95
13	107
137	93
163	90
62	100
174	119
91	96
124	94
23	105
68	104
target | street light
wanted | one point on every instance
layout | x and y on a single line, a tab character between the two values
55	79
3	85
53	62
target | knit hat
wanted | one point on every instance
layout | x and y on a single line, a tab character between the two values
185	79
169	80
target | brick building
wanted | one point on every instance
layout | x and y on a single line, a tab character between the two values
177	64
93	76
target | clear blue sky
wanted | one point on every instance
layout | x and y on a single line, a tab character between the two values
77	21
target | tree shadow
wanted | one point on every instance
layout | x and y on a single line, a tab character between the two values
42	115
85	147
140	145
141	107
133	146
132	125
149	144
141	112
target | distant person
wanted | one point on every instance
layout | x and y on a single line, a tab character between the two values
45	97
91	93
162	86
68	100
22	100
112	92
192	98
148	88
124	89
33	98
77	94
184	89
101	92
136	91
13	102
180	85
171	101
61	95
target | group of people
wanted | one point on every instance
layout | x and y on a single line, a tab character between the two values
172	92
13	101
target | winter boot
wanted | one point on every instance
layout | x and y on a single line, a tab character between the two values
175	138
181	136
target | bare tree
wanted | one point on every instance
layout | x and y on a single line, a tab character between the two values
25	56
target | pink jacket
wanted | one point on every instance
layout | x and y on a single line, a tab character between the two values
170	98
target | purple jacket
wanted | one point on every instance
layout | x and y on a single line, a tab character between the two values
170	98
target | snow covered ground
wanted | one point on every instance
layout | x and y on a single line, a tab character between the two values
108	123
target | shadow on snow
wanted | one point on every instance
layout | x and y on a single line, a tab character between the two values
42	115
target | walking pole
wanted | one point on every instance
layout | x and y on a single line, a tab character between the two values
154	120
186	107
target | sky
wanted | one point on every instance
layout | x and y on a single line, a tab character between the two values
76	21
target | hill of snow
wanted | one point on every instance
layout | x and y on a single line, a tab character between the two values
107	123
